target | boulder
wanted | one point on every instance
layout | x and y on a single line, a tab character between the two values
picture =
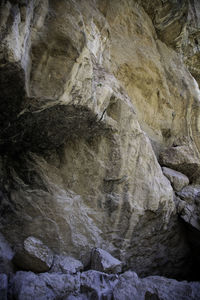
177	179
190	194
129	287
45	286
183	159
92	285
103	261
189	205
66	265
35	256
97	285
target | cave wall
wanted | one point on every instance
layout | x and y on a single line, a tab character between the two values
91	93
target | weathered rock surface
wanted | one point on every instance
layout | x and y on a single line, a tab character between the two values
29	286
183	159
154	287
177	23
97	285
177	179
35	256
104	262
87	89
188	207
66	265
190	194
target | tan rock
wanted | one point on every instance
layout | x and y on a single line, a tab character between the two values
92	84
183	159
177	179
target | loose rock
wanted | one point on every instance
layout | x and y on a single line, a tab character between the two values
102	261
177	179
66	265
35	256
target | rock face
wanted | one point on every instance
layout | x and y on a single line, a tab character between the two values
92	94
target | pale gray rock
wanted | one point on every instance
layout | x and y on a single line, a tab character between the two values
66	265
35	256
103	261
29	286
177	179
189	205
190	194
3	286
131	287
92	285
97	285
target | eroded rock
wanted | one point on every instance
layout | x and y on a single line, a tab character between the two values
27	285
92	89
183	159
154	287
66	265
92	285
35	256
102	261
177	179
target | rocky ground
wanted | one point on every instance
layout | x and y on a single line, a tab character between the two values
99	149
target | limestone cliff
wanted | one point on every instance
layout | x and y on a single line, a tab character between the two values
96	96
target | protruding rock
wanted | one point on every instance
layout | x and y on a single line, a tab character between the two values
35	256
189	205
190	194
66	265
102	261
183	159
177	179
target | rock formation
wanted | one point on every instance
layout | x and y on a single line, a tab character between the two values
98	100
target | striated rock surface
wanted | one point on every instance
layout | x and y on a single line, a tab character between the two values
92	94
